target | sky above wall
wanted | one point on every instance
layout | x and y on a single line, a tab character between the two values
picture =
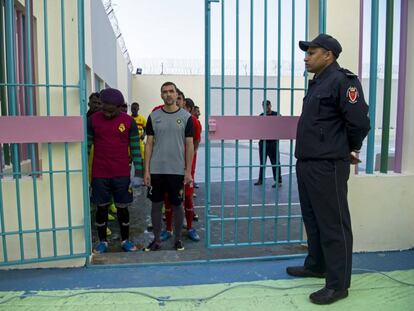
165	34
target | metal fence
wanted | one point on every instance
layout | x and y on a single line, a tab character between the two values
44	211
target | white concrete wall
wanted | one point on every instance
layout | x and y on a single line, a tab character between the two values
146	90
381	205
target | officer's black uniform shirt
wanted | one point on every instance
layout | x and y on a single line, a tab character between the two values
334	117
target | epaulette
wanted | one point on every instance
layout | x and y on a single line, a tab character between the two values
348	73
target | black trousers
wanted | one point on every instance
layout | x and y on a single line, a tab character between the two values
323	193
271	154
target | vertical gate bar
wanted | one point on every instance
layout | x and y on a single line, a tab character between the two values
249	233
385	141
3	229
10	23
84	146
373	71
6	147
207	81
65	113
306	89
19	68
222	113
49	145
29	92
322	16
3	113
236	178
264	112
279	53
401	86
292	102
11	78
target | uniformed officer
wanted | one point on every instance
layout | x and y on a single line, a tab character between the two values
330	132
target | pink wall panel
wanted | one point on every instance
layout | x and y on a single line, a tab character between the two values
252	127
28	129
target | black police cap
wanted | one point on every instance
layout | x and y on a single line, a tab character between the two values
323	41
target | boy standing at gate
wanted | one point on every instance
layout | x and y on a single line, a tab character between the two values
114	135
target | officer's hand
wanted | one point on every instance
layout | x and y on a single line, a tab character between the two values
354	158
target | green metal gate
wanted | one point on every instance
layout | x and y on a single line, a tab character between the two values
245	46
44	199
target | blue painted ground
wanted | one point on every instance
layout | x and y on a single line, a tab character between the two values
178	275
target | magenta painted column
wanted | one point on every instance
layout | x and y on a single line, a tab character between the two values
401	87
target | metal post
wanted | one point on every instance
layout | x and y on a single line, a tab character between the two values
387	87
84	147
207	82
373	71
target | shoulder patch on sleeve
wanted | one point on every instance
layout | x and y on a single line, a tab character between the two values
352	94
348	73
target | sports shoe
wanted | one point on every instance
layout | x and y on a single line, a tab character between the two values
153	246
196	186
128	246
165	235
101	247
195	217
111	217
193	235
194	195
108	231
112	208
179	246
258	183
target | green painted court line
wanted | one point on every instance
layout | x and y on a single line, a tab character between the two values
370	291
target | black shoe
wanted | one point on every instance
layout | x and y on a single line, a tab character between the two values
301	271
152	247
258	183
178	246
196	185
195	217
326	296
279	184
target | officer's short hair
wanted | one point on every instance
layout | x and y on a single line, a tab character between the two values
268	102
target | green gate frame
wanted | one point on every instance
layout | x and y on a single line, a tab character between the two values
29	85
208	88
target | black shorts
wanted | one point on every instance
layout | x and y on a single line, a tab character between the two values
104	189
167	183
